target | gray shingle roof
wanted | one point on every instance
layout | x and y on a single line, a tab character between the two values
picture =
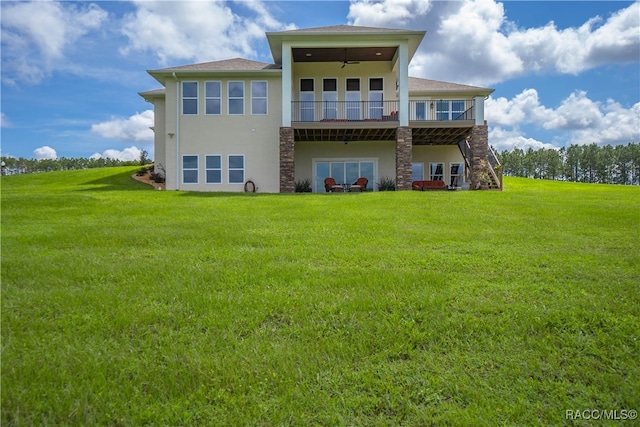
425	85
344	29
236	64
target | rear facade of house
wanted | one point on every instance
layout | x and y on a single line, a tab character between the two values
336	102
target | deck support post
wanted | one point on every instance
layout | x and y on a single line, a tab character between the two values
404	143
287	164
479	145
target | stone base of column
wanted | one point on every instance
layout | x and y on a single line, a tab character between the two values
287	164
404	157
479	144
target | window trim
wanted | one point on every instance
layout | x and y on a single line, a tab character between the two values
206	98
207	169
197	169
235	98
265	97
230	169
184	98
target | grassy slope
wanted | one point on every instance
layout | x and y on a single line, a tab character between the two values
125	306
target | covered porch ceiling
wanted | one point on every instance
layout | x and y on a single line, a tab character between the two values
351	54
422	135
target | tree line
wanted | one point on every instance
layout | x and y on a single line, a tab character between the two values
604	164
12	165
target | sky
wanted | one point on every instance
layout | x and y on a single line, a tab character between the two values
564	72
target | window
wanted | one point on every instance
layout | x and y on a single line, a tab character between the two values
456	173
330	98
213	169
353	99
213	97
236	169
258	98
376	104
190	98
307	100
417	171
457	110
236	98
190	169
442	110
421	111
437	171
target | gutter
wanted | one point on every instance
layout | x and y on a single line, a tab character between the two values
177	131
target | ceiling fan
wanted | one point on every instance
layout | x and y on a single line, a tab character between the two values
346	62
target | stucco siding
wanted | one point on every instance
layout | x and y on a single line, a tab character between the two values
255	137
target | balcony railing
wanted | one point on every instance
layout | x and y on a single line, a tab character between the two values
380	111
344	111
441	110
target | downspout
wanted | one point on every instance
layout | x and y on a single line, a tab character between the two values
177	131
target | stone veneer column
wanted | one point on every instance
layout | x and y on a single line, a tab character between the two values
287	165
479	144
404	142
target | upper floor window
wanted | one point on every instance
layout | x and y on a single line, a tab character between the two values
307	98
258	97
236	98
190	98
376	97
213	97
330	98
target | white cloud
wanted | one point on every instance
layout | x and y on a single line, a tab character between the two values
45	152
196	30
474	42
35	36
581	120
386	12
508	139
128	154
134	128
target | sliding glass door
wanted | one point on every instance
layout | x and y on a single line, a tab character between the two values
343	171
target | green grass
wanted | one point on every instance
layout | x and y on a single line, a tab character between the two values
122	305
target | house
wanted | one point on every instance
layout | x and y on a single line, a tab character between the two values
336	102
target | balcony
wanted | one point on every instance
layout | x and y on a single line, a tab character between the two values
433	121
380	111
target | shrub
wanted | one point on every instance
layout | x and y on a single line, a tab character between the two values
387	184
303	186
142	171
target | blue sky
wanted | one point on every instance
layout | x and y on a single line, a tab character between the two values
563	72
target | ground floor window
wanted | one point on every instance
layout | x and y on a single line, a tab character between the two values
437	171
213	169
189	169
417	171
456	174
344	172
236	169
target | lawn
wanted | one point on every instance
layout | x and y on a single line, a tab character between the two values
123	305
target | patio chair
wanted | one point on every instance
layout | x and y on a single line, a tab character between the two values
360	184
331	186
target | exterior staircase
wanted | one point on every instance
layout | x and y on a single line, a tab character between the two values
493	168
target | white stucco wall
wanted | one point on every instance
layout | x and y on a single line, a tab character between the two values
254	136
